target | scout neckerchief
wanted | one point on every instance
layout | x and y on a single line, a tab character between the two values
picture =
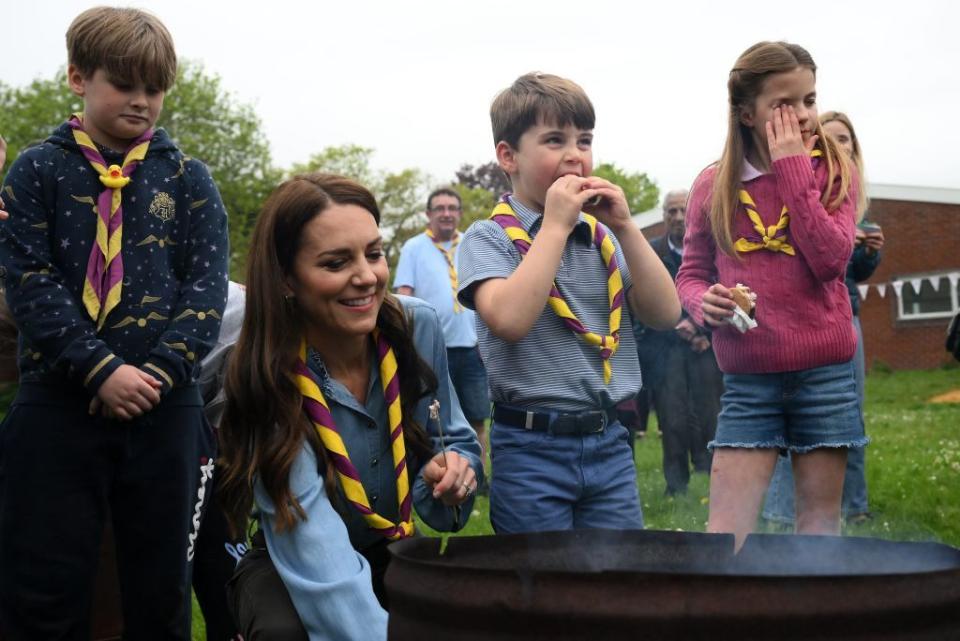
319	412
766	237
101	288
451	266
504	216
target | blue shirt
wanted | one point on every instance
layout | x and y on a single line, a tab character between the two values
423	268
328	580
551	368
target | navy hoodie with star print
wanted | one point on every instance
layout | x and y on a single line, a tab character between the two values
175	255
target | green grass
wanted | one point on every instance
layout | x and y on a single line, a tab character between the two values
913	467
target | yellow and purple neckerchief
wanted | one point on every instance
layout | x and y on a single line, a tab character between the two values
504	216
448	254
772	238
104	280
318	411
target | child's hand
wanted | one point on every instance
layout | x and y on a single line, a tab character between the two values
612	210
564	200
127	393
717	305
784	137
452	484
686	330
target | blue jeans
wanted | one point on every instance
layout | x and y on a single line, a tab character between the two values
779	503
546	482
469	378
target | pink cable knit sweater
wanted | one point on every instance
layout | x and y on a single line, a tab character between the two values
803	308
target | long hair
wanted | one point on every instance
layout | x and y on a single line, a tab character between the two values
746	82
264	426
844	119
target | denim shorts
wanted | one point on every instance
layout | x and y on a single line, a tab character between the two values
469	378
797	411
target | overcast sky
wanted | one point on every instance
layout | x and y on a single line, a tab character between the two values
414	80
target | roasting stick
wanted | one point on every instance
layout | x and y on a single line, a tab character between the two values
435	416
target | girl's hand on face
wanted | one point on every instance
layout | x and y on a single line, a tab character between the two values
784	137
452	484
717	305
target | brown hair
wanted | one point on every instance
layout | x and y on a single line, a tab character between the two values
842	118
443	191
130	45
264	427
538	97
746	82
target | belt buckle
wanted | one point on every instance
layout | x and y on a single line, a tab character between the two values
603	422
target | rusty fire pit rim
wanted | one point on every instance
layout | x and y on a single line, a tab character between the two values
397	552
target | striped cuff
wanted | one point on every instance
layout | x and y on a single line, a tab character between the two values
101	371
160	374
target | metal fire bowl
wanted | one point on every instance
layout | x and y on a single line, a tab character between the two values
653	585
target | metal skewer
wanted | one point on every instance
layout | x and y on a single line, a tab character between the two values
435	416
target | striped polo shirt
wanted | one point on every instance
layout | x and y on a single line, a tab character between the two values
551	368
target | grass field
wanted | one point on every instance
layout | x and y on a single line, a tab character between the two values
913	468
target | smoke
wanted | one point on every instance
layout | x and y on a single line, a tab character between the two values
651	551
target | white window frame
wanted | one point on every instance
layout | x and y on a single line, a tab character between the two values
954	297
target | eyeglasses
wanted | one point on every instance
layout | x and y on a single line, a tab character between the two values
673	211
439	209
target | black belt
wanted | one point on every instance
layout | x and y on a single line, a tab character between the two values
559	423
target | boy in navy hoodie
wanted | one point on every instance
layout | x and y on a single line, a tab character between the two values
114	260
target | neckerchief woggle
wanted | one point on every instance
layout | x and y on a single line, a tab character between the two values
104	280
607	344
317	409
767	237
451	265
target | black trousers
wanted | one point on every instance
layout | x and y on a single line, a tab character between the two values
61	471
214	563
261	605
687	402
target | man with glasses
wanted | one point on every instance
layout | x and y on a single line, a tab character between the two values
428	269
680	368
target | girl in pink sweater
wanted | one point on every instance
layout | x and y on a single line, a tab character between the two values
777	213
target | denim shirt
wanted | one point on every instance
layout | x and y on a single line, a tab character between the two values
328	580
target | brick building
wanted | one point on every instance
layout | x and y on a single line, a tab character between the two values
906	327
908	302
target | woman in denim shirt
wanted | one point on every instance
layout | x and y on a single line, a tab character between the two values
319	316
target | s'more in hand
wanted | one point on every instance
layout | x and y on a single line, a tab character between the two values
744	313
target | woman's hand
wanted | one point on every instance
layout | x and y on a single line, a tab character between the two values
873	241
717	305
452	484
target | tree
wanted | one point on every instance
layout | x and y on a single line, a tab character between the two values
488	176
477	203
206	122
642	193
400	195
